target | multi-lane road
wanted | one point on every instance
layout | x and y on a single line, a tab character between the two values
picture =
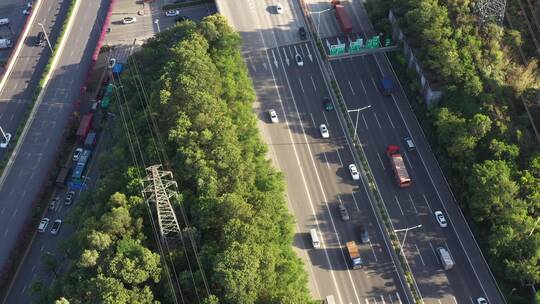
316	172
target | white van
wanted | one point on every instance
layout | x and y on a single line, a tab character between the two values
4	21
330	299
446	259
315	238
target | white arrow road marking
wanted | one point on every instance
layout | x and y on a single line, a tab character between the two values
275	59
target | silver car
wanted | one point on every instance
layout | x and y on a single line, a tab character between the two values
343	212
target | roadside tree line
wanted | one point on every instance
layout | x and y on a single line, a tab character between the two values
201	98
480	132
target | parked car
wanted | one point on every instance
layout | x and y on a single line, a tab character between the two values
481	301
343	213
299	60
364	236
273	116
77	154
354	172
324	131
56	227
43	225
4	142
112	62
440	219
69	198
172	13
128	20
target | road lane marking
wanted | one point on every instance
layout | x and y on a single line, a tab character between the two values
374	84
367	302
274	57
399	205
309	53
363	87
373	250
390	297
15	212
439	301
412	203
350	86
382	299
380	160
377	119
327	162
420	255
407	160
33	268
365	122
340	161
24	289
301	86
429	207
286	58
313	83
332	274
398	297
455	301
389	119
433	249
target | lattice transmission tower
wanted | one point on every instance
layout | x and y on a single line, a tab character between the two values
491	10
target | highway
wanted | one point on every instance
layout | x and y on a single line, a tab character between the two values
388	121
315	169
38	153
20	189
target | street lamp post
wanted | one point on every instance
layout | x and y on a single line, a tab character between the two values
404	237
157	24
319	18
46	36
357	115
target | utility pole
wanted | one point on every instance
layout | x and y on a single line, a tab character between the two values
405	237
157	24
357	115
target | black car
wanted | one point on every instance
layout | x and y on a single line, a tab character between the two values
302	33
327	104
364	236
40	38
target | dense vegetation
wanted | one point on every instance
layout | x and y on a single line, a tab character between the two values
202	98
480	131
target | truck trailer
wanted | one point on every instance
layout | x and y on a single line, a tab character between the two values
398	166
85	126
342	18
356	261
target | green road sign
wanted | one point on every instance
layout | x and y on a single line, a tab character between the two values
355	46
387	42
337	49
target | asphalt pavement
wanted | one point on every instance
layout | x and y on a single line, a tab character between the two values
22	186
315	168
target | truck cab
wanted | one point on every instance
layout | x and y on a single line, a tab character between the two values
386	85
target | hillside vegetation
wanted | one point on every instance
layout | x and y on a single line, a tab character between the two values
201	99
479	131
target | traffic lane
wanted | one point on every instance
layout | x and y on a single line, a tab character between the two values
419	184
279	28
305	94
40	146
422	185
400	211
271	93
323	17
337	261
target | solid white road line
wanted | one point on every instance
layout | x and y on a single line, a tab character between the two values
373	250
412	203
313	83
301	86
427	203
365	122
399	205
398	297
377	119
390	120
350	86
420	255
363	87
380	160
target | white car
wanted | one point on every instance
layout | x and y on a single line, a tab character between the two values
172	13
128	20
279	9
69	197
5	140
273	116
28	8
481	301
112	63
56	226
354	172
324	131
77	154
299	60
43	224
440	219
